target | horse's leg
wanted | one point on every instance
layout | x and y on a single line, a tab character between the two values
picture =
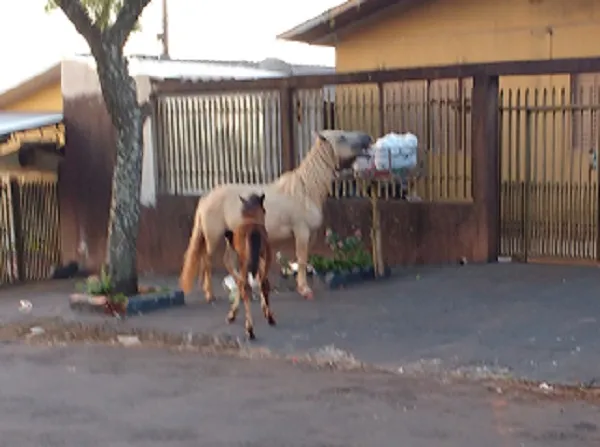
265	290
235	305
302	237
207	267
230	266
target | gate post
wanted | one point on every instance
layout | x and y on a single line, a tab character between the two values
17	218
486	166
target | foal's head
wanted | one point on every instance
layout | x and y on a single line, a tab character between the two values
254	207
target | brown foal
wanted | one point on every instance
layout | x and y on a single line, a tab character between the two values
251	244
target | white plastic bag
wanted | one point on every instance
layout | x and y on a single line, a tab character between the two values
396	151
230	286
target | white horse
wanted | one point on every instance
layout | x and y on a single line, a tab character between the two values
294	207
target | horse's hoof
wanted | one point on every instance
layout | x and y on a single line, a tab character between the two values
271	320
230	318
250	334
306	293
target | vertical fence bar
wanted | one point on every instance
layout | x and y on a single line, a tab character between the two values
287	119
527	180
17	218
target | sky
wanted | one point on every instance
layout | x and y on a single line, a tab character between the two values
34	40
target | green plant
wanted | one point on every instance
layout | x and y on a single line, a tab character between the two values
118	299
348	253
96	285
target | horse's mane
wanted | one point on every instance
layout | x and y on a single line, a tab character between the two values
311	180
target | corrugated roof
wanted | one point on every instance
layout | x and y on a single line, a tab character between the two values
192	70
17	122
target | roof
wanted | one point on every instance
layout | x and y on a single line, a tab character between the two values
45	78
328	26
157	68
21	121
204	70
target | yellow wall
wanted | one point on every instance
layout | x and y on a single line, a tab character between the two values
465	31
445	32
48	99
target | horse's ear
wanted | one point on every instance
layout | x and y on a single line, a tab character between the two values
319	136
243	200
262	198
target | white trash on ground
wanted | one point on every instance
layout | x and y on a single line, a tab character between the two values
128	340
231	287
25	306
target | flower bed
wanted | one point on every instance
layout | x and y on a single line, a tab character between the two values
349	262
95	296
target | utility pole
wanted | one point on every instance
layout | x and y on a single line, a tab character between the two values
164	36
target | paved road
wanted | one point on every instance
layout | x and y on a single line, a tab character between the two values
116	397
538	322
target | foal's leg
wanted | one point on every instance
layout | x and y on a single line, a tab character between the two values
302	237
265	290
246	292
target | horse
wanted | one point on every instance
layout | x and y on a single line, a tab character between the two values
294	203
250	242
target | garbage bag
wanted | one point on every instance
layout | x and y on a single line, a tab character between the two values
396	151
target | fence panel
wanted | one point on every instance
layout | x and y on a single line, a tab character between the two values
210	139
30	237
438	112
549	185
8	256
38	225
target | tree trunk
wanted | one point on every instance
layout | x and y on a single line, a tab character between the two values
121	254
125	208
119	92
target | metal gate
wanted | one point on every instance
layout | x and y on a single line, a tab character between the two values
549	174
29	223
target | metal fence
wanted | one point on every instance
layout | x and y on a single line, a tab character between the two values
206	139
29	220
549	190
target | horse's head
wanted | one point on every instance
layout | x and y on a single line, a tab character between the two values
347	145
254	206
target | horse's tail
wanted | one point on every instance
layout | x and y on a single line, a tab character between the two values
192	257
254	245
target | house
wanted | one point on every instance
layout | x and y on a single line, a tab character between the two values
549	125
40	93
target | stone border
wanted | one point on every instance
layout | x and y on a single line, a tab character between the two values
336	280
136	305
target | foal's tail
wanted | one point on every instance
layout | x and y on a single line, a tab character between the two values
254	245
192	257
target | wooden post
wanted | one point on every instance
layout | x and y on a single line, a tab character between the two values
287	120
486	167
17	218
378	258
378	263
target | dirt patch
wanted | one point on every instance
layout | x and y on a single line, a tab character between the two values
541	391
57	331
